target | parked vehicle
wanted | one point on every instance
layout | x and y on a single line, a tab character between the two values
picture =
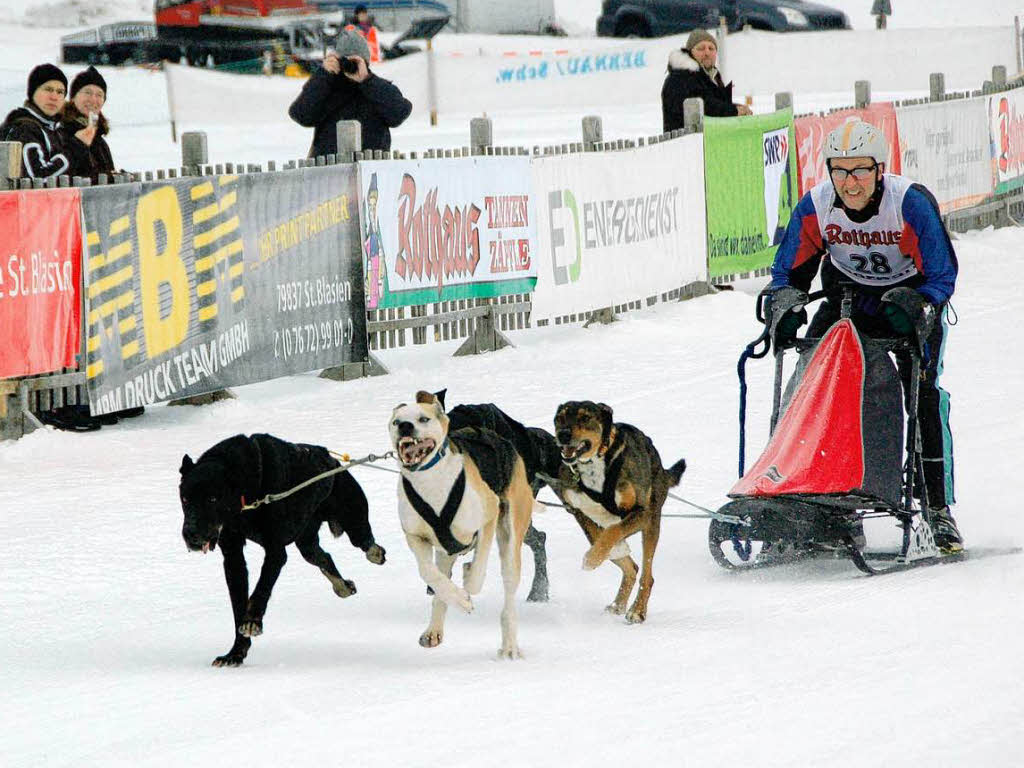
653	18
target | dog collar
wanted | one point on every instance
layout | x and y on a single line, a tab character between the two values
437	457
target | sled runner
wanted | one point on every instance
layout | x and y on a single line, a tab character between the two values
836	456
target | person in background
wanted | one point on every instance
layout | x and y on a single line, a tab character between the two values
692	73
35	124
83	122
881	10
362	23
344	88
883	233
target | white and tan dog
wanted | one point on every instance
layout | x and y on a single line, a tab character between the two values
457	490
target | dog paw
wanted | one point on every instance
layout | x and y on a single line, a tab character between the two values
431	638
251	628
376	554
593	558
229	659
463	600
510	651
615	608
344	588
636	616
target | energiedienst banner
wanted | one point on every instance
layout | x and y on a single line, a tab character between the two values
40	271
201	283
1006	130
435	230
812	131
945	147
614	227
750	169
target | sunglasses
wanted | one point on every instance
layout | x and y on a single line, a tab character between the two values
859	174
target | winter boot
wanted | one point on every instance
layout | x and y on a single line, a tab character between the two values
947	537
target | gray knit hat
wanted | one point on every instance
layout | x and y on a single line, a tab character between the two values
699	36
351	43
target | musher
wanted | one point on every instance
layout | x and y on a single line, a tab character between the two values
883	232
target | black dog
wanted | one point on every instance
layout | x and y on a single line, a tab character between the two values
541	456
240	470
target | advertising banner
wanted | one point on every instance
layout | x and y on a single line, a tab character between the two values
751	189
811	133
944	146
435	230
1006	128
40	271
198	284
617	227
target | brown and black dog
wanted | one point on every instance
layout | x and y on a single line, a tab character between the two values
614	484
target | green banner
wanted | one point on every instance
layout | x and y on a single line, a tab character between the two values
751	182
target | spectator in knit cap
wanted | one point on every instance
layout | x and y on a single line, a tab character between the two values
344	88
84	126
881	10
692	73
43	153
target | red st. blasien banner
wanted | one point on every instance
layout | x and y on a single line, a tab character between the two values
811	132
40	273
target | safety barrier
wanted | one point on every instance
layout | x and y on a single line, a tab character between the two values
482	322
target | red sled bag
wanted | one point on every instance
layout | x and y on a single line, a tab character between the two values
840	438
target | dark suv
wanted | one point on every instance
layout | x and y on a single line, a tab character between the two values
653	18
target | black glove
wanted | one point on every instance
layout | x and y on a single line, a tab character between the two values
908	312
787	314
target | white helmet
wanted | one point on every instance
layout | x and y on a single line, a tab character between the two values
855	138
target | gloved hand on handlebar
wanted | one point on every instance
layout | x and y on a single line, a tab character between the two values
908	312
787	314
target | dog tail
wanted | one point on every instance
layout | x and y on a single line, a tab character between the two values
675	472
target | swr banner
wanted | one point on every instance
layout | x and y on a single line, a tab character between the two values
811	133
40	271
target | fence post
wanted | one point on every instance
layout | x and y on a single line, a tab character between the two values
936	86
194	151
693	116
10	159
349	134
431	82
593	132
862	93
481	134
783	100
484	338
999	76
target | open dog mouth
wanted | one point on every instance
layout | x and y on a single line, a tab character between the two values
412	451
571	452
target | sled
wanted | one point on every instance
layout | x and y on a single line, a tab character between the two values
835	458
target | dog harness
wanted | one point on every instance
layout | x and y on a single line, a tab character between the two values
441	523
606	496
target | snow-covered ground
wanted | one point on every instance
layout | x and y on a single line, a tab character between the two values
108	625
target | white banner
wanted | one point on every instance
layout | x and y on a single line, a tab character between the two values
1006	132
618	227
945	147
435	230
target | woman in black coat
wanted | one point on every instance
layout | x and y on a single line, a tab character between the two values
692	73
87	96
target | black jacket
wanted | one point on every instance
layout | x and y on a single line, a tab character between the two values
44	153
95	158
686	80
325	99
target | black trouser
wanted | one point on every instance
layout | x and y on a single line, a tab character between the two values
932	400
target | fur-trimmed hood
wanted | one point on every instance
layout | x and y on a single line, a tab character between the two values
681	59
75	120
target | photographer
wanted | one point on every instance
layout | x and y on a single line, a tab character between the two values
345	89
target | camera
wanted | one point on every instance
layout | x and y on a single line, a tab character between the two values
349	66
